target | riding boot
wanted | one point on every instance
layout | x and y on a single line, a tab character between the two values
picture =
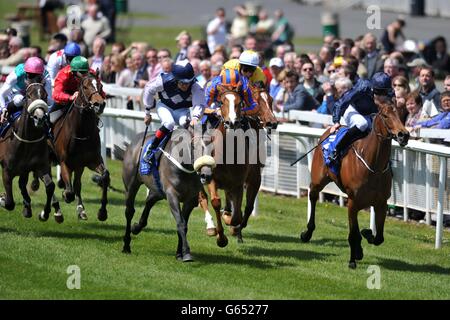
350	136
159	136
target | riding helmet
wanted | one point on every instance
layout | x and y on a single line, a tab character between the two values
34	65
230	77
249	58
72	49
381	81
183	73
79	64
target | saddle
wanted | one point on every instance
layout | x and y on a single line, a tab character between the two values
329	145
7	124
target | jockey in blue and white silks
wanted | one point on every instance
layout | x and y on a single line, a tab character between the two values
12	93
355	107
178	91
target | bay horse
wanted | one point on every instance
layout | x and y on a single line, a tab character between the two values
365	176
77	143
24	150
233	176
179	182
264	110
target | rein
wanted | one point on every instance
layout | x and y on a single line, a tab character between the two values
27	141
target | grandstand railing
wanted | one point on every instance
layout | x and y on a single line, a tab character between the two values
421	170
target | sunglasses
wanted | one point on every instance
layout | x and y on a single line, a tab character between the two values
398	85
308	69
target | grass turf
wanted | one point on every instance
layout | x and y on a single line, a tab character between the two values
271	264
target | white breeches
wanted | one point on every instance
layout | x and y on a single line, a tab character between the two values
169	118
354	118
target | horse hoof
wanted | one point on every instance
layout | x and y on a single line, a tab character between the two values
179	257
42	216
234	231
126	250
136	229
367	233
226	216
352	265
305	236
222	242
211	232
34	185
27	212
188	258
59	218
61	184
102	215
82	216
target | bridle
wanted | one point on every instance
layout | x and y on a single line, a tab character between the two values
86	103
389	135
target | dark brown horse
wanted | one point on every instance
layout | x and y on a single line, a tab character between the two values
180	182
24	149
365	176
234	169
77	143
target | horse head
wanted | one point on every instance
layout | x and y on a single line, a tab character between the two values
90	96
231	105
390	126
36	105
264	111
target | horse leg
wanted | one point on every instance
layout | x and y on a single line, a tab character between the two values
227	210
7	201
188	206
23	180
183	250
380	217
130	196
81	212
236	197
152	198
319	179
252	193
102	214
59	218
203	202
354	236
35	183
221	239
66	175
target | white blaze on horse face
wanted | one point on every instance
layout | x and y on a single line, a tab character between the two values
232	112
94	83
265	98
39	113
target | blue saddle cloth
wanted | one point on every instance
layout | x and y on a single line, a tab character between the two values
4	127
145	168
329	145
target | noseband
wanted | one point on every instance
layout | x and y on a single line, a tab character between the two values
86	103
390	135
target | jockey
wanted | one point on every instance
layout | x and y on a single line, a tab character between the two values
248	66
12	92
356	106
62	58
67	82
178	91
230	78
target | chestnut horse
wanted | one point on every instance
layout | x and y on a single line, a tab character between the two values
77	143
232	176
24	149
264	110
365	176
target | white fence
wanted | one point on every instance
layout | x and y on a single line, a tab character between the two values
421	170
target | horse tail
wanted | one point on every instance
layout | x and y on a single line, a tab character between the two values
119	153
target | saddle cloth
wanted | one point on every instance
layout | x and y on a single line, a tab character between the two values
329	145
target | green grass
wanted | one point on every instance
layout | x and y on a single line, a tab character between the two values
271	263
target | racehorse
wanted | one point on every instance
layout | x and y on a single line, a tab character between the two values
24	149
233	176
77	143
365	176
264	110
178	182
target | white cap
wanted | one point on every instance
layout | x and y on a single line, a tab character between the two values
277	62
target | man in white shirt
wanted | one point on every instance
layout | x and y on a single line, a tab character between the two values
216	30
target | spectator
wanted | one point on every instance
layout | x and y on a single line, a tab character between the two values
372	61
414	107
193	52
390	35
326	53
204	50
276	65
139	66
264	26
298	97
47	18
108	9
215	69
184	40
106	73
280	51
166	64
333	93
283	32
310	83
289	60
153	67
117	48
236	51
17	54
428	91
124	76
163	54
205	73
98	48
216	30
447	83
239	26
77	36
442	120
250	43
416	65
435	53
61	23
401	91
391	67
95	25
